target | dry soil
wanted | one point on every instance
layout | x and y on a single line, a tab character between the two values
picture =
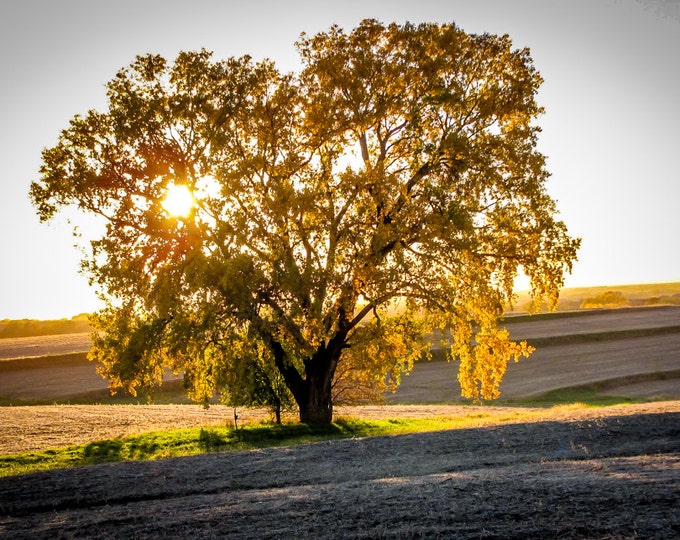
588	473
562	473
644	366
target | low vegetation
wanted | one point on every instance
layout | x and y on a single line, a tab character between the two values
609	299
10	328
186	442
616	299
637	295
664	300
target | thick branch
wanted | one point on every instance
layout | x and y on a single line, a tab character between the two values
293	379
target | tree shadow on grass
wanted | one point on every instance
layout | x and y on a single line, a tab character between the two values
269	435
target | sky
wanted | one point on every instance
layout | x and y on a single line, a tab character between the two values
610	132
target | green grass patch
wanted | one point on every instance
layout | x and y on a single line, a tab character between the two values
595	394
587	396
186	442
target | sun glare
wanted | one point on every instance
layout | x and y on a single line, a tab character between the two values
178	200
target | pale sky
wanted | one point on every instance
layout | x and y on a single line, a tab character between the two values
611	131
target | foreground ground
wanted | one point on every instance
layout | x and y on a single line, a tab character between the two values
34	428
519	473
573	473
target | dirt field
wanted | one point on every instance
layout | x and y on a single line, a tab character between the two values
565	472
32	428
645	366
32	347
615	362
588	473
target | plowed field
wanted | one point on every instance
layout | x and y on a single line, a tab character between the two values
564	472
593	473
626	352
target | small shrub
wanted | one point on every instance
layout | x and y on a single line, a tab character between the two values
609	299
665	300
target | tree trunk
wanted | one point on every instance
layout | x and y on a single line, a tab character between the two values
316	401
317	409
313	392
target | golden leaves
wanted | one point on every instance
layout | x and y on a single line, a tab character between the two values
380	352
484	362
401	163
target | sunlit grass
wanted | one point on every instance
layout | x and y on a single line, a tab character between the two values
187	442
585	396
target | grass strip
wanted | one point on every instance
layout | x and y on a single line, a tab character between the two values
186	442
595	394
511	318
574	339
586	396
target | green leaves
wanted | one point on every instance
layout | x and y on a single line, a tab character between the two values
399	166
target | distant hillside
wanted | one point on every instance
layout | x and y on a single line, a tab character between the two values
33	328
635	295
570	299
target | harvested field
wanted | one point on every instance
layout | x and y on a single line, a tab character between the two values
41	427
575	473
626	352
32	428
646	367
567	472
33	347
594	321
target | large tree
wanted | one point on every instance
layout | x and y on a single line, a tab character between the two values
392	185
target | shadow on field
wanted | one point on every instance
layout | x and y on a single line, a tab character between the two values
604	475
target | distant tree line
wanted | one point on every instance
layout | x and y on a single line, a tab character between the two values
673	300
614	299
31	328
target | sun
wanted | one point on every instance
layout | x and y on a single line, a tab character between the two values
178	200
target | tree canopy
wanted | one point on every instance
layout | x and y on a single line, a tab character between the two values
390	187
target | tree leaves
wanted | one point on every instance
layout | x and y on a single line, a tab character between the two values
399	166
